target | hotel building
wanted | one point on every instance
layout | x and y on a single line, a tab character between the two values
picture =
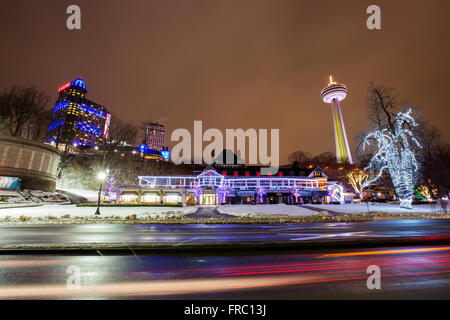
77	121
155	136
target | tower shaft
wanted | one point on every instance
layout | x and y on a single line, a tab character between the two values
342	148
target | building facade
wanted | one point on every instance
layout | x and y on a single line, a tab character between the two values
242	185
77	121
27	164
155	136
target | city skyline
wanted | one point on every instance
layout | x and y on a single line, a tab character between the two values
247	65
233	158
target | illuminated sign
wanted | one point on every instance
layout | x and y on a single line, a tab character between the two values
143	148
9	182
165	154
107	123
64	87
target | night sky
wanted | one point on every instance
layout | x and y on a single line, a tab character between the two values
234	63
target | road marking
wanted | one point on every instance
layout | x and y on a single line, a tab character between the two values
183	242
134	254
368	253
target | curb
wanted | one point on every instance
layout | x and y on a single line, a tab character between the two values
212	248
25	206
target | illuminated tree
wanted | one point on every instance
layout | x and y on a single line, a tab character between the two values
424	190
110	185
395	154
357	179
418	195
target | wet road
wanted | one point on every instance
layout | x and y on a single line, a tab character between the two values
176	235
406	273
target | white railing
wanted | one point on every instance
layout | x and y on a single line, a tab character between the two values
274	183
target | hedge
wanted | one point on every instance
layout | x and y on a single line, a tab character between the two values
129	205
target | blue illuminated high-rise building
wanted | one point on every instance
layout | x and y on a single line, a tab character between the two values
77	121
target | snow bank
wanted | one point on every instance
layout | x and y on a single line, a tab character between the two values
91	195
270	209
379	207
74	211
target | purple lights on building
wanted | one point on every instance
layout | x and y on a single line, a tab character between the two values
212	188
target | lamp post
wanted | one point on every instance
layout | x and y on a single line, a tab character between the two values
101	176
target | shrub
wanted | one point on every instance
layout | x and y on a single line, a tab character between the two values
132	217
128	205
24	218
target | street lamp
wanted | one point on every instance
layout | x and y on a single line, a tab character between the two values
101	176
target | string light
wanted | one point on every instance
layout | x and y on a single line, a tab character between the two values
395	154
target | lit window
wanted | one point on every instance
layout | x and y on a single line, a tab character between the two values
172	198
128	198
151	197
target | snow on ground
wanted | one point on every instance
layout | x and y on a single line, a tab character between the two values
271	209
74	211
92	196
18	204
379	207
352	208
59	210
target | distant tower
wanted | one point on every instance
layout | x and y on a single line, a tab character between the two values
332	94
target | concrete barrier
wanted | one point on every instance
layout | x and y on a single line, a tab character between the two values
35	163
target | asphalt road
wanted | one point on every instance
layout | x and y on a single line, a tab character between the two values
12	236
406	273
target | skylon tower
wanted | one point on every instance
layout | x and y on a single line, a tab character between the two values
333	94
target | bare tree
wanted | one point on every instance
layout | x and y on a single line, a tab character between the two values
325	159
36	129
434	161
301	157
122	132
382	105
23	112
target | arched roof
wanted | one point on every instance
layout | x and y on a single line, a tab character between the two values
79	83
